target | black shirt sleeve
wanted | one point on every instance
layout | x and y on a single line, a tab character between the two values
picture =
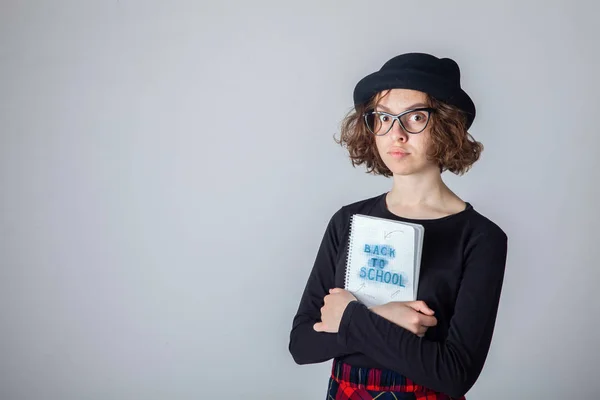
453	365
306	345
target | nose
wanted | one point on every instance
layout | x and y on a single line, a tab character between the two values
397	133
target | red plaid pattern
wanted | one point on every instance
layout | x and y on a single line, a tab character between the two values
354	383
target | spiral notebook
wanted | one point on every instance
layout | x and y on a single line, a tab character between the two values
384	260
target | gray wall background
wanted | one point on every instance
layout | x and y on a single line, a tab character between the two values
167	170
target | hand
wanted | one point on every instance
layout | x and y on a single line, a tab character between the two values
331	313
414	316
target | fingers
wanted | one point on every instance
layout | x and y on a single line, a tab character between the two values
428	321
332	292
420	306
419	319
424	322
420	330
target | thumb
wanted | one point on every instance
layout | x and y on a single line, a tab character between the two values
319	327
420	306
335	290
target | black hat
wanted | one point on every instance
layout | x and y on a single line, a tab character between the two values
438	77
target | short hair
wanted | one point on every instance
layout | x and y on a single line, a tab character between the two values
451	146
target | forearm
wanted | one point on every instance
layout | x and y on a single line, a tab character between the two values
387	313
308	346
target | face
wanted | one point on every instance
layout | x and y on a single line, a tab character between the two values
402	152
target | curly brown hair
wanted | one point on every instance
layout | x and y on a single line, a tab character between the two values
452	147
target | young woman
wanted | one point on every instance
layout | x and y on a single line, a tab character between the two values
409	123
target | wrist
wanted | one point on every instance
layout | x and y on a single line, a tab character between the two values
379	310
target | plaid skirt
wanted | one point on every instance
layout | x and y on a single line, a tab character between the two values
354	383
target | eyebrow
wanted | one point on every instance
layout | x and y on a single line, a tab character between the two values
417	105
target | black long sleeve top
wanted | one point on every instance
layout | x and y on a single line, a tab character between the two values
462	270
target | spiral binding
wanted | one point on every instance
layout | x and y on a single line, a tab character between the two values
349	254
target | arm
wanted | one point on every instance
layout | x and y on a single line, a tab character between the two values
306	345
414	316
451	366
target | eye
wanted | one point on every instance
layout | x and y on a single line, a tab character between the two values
384	118
418	117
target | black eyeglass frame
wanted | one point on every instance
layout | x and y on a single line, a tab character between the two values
397	117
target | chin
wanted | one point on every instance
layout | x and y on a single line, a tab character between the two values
400	168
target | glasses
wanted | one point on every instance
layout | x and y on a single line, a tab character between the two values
412	121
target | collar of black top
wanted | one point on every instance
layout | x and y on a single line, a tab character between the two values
438	77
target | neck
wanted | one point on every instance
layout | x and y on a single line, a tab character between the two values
426	187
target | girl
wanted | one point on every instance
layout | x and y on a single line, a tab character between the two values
410	123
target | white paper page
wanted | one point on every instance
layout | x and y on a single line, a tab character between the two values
381	261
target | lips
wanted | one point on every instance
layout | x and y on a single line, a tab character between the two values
398	152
